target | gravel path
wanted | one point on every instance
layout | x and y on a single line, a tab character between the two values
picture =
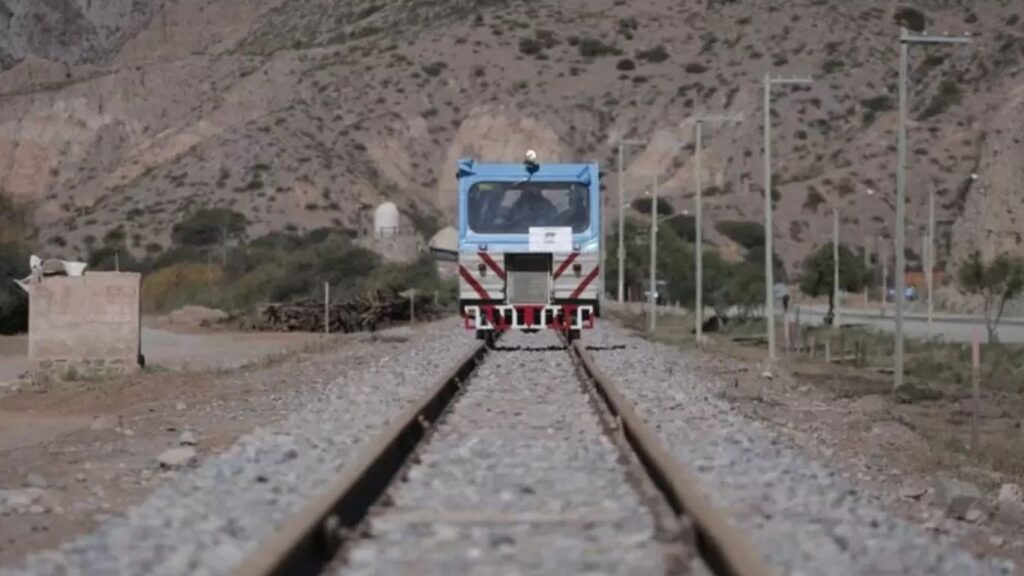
518	479
803	516
207	518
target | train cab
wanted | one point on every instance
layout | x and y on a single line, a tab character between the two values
529	246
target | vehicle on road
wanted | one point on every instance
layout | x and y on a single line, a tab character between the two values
529	246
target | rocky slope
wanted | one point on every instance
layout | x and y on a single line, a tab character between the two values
304	113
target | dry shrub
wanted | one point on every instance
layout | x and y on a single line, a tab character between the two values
167	288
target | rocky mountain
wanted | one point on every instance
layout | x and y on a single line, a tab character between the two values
117	118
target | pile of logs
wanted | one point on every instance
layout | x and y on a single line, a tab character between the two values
366	312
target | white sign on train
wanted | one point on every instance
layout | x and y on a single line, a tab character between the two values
551	240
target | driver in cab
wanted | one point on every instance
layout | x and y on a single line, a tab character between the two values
532	208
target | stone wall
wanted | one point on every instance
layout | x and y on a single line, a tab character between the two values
85	326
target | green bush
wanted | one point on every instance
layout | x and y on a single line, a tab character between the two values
653	55
209	226
813	200
529	46
949	94
625	65
434	69
643	205
747	234
594	48
832	65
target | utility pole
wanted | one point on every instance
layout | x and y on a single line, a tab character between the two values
769	279
699	219
906	39
652	301
835	264
622	216
698	307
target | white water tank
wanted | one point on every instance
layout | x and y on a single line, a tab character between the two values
386	220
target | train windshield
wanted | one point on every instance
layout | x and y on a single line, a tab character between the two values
513	208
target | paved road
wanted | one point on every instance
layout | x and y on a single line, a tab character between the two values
950	327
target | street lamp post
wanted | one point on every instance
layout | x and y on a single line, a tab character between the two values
930	260
622	225
906	39
699	219
769	280
653	268
835	264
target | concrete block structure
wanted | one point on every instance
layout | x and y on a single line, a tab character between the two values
87	325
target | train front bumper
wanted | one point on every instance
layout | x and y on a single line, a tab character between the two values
504	317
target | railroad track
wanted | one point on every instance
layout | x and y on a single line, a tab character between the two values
524	457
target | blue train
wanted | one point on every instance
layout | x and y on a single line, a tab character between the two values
529	246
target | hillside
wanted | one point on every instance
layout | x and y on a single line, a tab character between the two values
302	113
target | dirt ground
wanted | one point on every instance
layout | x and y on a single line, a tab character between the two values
92	446
896	447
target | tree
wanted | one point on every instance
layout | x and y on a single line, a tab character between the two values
818	273
996	282
208	227
14	254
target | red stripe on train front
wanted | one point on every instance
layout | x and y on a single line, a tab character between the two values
492	264
565	264
468	277
586	282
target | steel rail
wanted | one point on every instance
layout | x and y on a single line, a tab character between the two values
724	550
309	542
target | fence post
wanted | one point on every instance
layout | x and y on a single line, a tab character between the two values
828	351
412	306
785	330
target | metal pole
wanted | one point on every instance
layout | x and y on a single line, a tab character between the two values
603	239
654	258
901	198
835	264
327	307
867	266
931	257
769	300
622	230
699	305
901	181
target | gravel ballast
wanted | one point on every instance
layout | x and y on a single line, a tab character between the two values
803	516
205	519
519	478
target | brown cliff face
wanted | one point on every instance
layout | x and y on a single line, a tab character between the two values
300	114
